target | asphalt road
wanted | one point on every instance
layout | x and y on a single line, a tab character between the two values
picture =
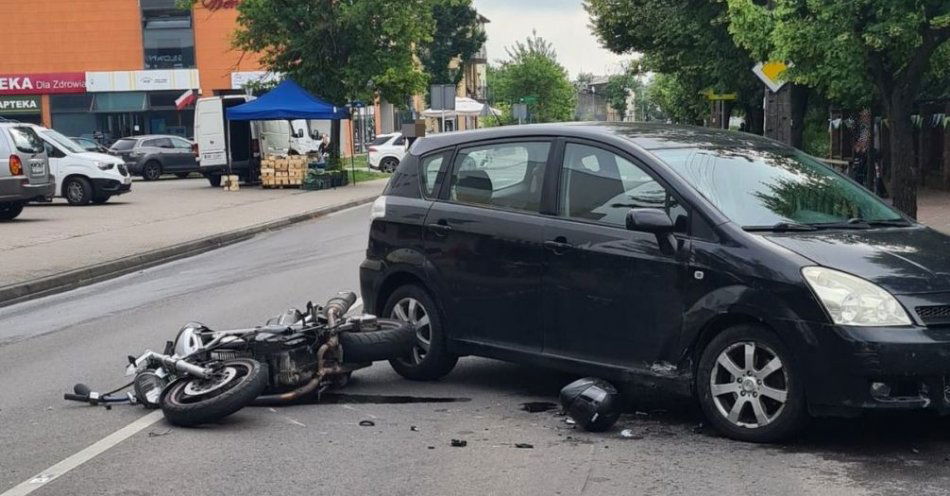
84	335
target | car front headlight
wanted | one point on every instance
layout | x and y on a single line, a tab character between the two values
853	301
104	167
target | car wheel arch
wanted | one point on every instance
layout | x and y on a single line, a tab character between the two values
394	281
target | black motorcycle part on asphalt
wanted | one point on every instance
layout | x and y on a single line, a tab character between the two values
593	403
392	340
215	407
148	387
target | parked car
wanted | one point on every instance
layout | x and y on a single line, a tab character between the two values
89	144
150	156
387	151
83	177
704	262
24	169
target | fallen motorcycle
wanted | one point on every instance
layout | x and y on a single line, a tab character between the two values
205	375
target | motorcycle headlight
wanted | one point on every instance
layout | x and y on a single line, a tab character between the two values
104	167
853	301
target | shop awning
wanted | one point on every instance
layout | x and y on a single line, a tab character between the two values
465	107
287	101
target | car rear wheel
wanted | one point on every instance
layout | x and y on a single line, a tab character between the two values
214	180
388	164
430	359
749	386
77	191
10	211
152	170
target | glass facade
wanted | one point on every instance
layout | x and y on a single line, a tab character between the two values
167	35
110	116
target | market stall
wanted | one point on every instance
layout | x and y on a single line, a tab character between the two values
289	102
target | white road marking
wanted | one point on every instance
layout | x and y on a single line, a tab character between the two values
96	449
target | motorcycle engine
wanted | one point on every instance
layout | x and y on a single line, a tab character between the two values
290	360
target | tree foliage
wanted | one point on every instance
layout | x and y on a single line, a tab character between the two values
457	34
619	88
342	50
854	53
674	94
688	40
532	70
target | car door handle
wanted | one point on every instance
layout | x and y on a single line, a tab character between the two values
440	228
558	246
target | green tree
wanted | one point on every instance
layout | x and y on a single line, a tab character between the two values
854	52
689	41
674	94
532	70
458	34
342	50
618	90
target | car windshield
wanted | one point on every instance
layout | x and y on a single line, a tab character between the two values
769	187
63	142
123	145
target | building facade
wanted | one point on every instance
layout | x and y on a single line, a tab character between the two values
114	68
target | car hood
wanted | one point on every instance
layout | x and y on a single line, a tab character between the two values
102	157
902	260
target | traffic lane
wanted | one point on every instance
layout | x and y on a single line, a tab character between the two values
85	335
323	448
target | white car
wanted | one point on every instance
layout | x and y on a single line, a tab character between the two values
83	177
386	151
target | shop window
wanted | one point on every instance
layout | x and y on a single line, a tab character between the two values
71	103
119	102
167	35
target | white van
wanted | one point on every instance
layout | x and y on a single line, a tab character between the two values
223	152
83	177
294	137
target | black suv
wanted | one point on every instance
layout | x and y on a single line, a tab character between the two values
712	263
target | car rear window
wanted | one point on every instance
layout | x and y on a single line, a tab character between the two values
25	140
123	145
380	140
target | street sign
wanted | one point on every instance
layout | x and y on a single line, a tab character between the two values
529	100
711	96
771	73
520	112
443	96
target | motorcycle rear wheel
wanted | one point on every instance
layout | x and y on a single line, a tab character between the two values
191	401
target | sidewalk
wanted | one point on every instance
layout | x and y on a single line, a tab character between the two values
52	239
933	209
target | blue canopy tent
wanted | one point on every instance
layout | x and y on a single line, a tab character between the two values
287	101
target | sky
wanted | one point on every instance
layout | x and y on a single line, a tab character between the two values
562	22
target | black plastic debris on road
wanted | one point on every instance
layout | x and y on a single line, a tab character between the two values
459	443
524	446
367	423
539	406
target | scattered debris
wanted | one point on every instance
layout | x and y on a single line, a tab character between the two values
538	406
629	434
915	451
367	423
431	447
569	421
159	433
524	446
413	428
459	443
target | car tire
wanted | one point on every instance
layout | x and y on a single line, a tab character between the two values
77	191
101	198
10	211
214	180
182	175
759	402
389	164
429	359
152	170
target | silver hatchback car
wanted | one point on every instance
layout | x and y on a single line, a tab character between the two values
24	169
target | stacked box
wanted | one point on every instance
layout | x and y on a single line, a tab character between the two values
278	171
230	183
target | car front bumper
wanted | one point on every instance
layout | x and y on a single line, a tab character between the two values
111	186
853	369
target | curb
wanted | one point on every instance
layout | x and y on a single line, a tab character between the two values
84	276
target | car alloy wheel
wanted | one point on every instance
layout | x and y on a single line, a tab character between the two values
412	311
753	394
75	192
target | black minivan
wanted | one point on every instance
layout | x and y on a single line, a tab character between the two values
704	262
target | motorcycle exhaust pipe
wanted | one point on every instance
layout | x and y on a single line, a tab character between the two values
183	366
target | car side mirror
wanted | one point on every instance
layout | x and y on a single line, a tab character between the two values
654	221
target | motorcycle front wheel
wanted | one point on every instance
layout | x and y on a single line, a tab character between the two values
192	401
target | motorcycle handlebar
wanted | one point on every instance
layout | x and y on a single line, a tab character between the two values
76	397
